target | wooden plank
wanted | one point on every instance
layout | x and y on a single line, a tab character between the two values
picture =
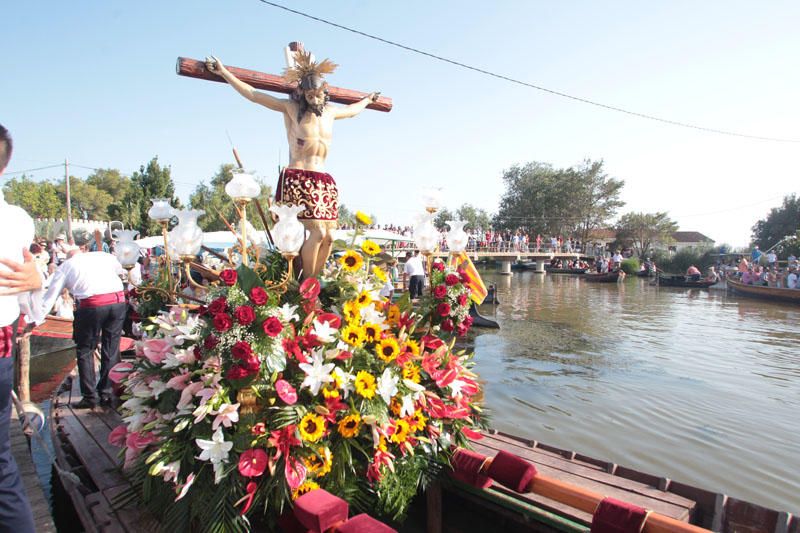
134	519
678	512
590	472
43	520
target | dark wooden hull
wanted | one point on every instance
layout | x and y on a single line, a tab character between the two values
611	277
767	293
54	335
645	274
680	281
577	271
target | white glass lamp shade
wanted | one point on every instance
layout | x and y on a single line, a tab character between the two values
242	185
186	238
126	250
288	233
160	211
431	198
426	237
457	238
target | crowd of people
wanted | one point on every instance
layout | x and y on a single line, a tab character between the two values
766	270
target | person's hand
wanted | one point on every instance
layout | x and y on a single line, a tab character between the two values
21	277
26	333
213	64
373	97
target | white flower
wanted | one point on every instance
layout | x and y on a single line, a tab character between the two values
346	379
373	316
317	373
387	385
287	313
214	450
456	386
170	471
407	408
227	414
324	332
157	387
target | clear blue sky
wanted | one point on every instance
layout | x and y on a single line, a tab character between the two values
95	82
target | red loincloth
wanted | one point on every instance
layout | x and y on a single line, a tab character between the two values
316	190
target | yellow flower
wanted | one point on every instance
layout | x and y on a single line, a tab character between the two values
388	349
352	311
353	335
331	390
401	430
364	298
351	260
307	486
417	421
319	463
382	445
363	218
370	248
395	405
410	371
379	273
372	332
393	316
411	346
349	425
312	426
365	384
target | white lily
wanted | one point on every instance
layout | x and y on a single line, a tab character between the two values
288	313
324	332
317	373
214	450
372	316
347	379
227	414
157	387
387	385
407	407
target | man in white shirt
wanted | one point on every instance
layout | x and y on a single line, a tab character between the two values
94	280
18	276
791	279
414	275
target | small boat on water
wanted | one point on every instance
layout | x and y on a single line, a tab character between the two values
646	274
666	280
610	277
54	335
576	271
767	293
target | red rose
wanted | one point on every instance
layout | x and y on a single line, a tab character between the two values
292	348
467	321
440	291
443	309
258	296
451	279
244	315
210	342
272	326
237	372
228	277
310	288
222	322
333	320
438	266
202	310
241	350
220	305
447	325
251	363
198	353
462	299
463	275
462	330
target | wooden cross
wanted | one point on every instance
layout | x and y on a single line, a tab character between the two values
194	68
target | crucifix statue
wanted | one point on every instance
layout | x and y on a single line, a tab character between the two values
308	118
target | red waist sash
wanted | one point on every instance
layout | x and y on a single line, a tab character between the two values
99	300
6	334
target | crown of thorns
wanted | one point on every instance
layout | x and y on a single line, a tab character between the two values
305	67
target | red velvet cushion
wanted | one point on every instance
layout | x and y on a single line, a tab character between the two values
466	468
614	516
319	509
511	471
363	523
287	523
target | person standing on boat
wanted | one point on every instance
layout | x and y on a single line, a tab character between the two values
18	277
693	273
791	278
95	281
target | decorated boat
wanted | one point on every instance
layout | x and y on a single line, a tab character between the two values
576	271
766	293
667	280
610	277
54	335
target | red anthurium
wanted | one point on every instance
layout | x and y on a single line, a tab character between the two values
253	462
286	392
333	320
309	289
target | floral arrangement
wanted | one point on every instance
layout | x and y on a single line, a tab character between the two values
275	389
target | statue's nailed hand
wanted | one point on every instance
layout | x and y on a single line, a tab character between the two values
214	65
373	97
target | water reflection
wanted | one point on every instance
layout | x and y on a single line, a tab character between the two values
694	385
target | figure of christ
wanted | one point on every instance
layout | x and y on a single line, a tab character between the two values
308	118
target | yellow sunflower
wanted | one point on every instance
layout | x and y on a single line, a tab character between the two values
365	384
379	273
351	261
319	463
351	311
372	332
411	346
388	349
401	431
370	248
312	426
353	335
393	316
410	371
417	421
382	445
349	425
395	405
363	299
363	218
307	486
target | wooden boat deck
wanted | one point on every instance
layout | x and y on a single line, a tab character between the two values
20	449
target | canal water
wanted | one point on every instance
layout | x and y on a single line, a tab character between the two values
698	386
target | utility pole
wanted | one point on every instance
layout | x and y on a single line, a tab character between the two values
69	204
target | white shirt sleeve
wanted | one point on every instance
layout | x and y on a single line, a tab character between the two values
56	285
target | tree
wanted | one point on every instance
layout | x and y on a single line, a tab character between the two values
781	222
441	218
151	181
642	230
214	200
39	199
476	218
117	186
86	200
595	197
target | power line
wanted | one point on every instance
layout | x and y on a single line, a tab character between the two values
33	169
526	84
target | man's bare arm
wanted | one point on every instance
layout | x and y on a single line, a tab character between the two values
352	110
21	277
245	89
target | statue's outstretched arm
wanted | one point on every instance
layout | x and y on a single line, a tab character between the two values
352	110
245	89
